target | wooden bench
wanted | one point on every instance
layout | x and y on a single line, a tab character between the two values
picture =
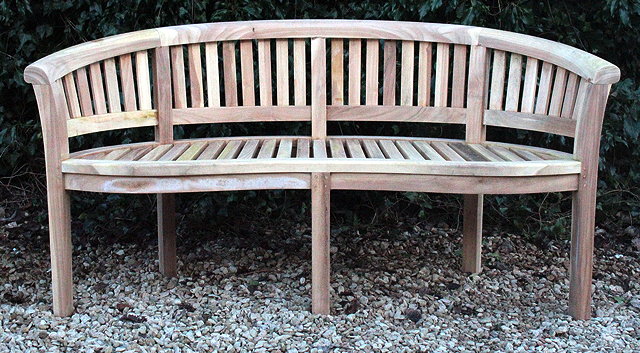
320	71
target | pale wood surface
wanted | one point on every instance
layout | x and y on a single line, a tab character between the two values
246	72
196	88
320	244
264	72
389	73
406	73
213	74
424	73
355	71
337	72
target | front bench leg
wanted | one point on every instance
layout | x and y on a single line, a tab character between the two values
167	234
472	233
320	250
60	245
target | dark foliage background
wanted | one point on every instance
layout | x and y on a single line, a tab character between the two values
609	28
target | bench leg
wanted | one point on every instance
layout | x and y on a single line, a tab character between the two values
60	243
320	254
167	234
580	271
472	233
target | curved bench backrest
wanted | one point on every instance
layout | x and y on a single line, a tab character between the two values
321	70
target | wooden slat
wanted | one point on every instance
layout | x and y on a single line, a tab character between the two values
467	152
390	150
111	83
355	71
442	75
267	149
178	78
408	151
143	80
505	153
97	89
264	72
229	72
155	153
212	151
213	74
111	121
513	84
127	79
284	148
162	94
337	148
527	155
319	149
231	150
496	97
355	149
240	114
424	73
302	148
397	113
529	88
406	73
428	151
195	75
459	75
570	96
318	88
389	74
475	129
484	151
282	71
193	151
372	62
533	122
557	94
84	92
544	89
246	70
337	71
116	154
299	72
135	154
71	94
372	149
249	149
174	152
449	153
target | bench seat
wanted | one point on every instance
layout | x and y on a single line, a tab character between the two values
340	154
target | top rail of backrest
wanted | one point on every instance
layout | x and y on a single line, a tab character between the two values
590	67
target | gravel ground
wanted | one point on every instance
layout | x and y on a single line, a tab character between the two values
393	291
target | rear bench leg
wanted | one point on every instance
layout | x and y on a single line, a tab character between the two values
472	233
581	262
320	268
167	234
60	243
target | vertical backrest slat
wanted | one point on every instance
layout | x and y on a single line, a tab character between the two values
213	74
195	75
513	84
337	72
318	88
355	70
557	95
570	96
544	89
84	92
299	72
162	94
71	93
529	89
264	72
97	88
282	71
373	58
406	73
425	66
498	72
143	77
459	75
389	72
475	128
127	79
442	75
229	71
246	71
178	77
111	82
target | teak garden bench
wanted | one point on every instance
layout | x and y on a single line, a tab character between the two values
319	71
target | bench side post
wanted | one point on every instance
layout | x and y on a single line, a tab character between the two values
475	133
589	112
53	111
164	134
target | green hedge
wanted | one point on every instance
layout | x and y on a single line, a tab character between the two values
610	29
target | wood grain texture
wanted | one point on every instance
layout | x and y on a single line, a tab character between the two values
529	87
337	72
167	234
127	80
355	71
196	86
389	72
318	88
496	96
246	72
162	95
142	76
397	113
459	76
213	74
441	90
472	233
300	72
532	122
178	78
320	243
513	84
282	71
371	72
475	129
406	73
264	72
229	74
